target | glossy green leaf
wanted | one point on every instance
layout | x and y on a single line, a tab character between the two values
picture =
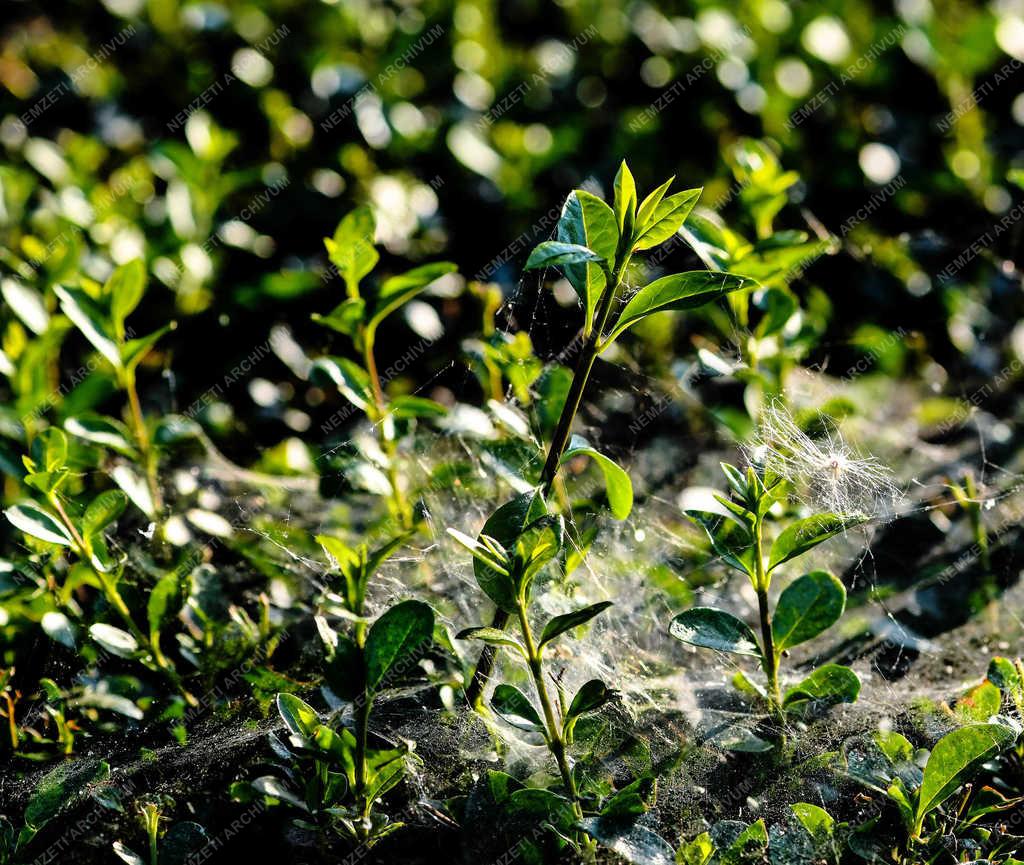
34	521
729	539
587	221
26	303
408	407
396	641
124	289
955	758
102	511
667	218
618	486
505	526
352	249
590	697
164	601
134	351
103	431
819	824
398	290
552	253
631	841
514	708
129	479
830	683
345	317
804	535
351	380
299	717
567	621
680	291
809	605
715	629
646	210
493	637
90	318
114	640
625	200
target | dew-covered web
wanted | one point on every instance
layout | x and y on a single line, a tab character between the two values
896	562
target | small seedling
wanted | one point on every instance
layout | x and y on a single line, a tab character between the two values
331	772
52	527
101	314
358	317
888	764
594	247
808	606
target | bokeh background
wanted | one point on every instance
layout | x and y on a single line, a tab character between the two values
224	140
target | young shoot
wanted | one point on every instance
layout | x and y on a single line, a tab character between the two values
809	605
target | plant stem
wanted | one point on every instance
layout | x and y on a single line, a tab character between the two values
142	440
556	744
115	600
770	659
585	363
362	719
387	443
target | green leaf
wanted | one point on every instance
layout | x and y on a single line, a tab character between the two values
396	640
27	304
299	717
809	605
625	201
125	288
351	249
345	317
646	209
729	539
133	351
715	629
114	640
804	535
102	511
590	697
830	683
668	216
1004	674
567	621
61	789
817	821
164	601
552	253
398	290
50	450
91	320
352	381
183	843
134	484
618	486
680	291
954	759
505	526
513	706
101	431
587	221
58	627
493	637
34	521
631	841
408	407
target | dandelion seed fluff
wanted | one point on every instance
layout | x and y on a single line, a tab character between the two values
826	471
